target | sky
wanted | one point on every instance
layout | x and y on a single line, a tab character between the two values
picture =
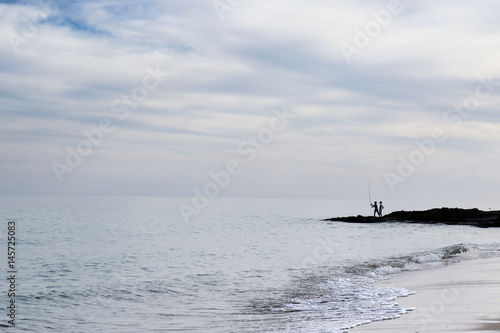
251	98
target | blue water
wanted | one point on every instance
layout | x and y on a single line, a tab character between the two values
124	264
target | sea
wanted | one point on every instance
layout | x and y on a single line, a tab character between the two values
135	264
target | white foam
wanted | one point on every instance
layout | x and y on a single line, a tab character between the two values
386	270
431	257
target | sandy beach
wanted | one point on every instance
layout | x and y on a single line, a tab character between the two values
463	297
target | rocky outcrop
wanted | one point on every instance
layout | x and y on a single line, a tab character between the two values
453	216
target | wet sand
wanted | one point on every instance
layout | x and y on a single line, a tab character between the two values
463	297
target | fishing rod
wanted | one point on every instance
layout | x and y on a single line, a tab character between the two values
369	194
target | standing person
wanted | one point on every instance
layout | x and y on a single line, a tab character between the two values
380	207
375	212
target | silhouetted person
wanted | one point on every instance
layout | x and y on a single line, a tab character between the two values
380	207
375	212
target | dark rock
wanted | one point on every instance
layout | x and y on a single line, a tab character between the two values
453	216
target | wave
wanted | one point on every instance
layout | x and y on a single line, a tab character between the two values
345	297
429	259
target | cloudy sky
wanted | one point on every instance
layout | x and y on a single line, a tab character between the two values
297	98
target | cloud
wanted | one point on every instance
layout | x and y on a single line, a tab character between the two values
64	65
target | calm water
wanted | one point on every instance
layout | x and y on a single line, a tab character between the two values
122	264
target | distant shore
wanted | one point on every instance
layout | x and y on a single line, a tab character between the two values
462	297
452	216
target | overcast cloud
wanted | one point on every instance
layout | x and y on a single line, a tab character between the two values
360	103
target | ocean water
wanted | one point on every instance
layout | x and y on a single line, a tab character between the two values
127	264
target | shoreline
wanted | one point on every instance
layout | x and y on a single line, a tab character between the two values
462	297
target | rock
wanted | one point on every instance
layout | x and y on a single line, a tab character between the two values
452	216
